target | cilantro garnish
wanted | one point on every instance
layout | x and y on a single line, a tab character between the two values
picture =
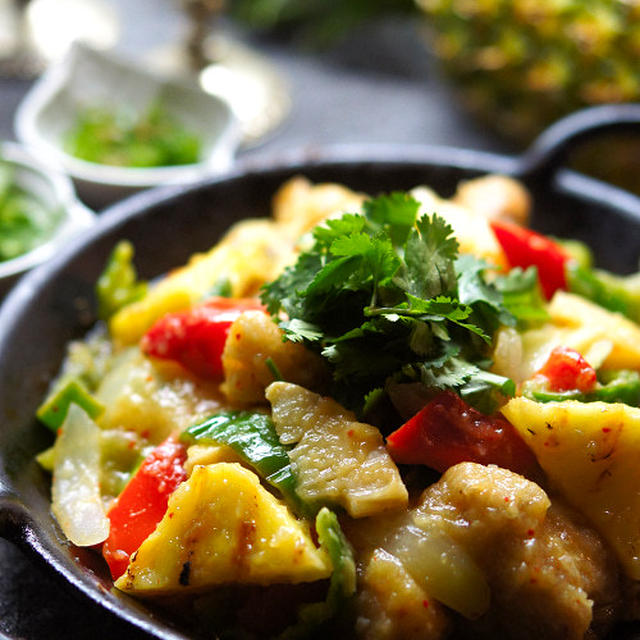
384	296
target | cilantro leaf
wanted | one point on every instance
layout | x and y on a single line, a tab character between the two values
522	296
325	234
384	296
485	298
396	212
429	254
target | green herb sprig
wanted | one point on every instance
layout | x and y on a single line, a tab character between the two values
384	296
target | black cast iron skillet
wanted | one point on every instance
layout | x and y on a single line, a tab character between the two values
55	303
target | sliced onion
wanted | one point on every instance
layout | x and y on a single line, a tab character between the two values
444	567
77	504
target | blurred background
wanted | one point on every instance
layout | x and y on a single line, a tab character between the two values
483	74
477	73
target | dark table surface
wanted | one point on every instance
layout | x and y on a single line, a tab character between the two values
377	86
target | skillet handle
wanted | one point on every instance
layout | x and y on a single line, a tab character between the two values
549	151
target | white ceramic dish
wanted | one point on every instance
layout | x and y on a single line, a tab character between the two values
87	77
55	191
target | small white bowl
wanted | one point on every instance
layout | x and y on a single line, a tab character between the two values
88	78
56	192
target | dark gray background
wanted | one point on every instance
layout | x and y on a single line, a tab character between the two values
377	86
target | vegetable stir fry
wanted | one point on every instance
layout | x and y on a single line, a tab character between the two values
388	417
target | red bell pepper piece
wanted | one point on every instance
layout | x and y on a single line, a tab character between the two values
566	370
525	248
196	338
143	502
448	431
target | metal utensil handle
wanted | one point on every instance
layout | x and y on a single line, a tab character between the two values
549	151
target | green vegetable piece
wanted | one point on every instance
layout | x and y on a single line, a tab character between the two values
522	296
613	386
118	285
343	578
342	585
579	252
254	438
616	293
222	289
273	367
53	410
619	386
557	396
47	459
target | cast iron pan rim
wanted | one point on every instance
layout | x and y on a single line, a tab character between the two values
23	530
298	161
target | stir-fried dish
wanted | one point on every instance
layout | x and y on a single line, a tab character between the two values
388	417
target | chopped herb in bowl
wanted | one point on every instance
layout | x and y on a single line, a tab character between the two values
25	221
115	137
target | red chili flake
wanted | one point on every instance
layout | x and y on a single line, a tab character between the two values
350	433
238	336
171	514
145	434
606	429
530	533
425	604
507	498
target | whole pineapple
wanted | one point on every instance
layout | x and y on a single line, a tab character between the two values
524	63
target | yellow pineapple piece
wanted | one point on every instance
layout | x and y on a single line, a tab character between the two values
573	311
496	197
206	454
590	452
222	526
391	605
252	252
336	459
254	339
300	205
148	400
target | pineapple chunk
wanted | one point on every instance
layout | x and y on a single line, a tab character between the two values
391	605
253	339
591	453
222	526
471	228
206	454
537	344
336	459
299	205
567	309
496	197
520	355
253	252
140	397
